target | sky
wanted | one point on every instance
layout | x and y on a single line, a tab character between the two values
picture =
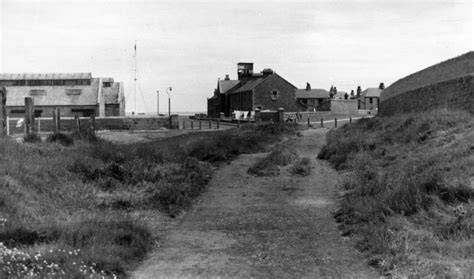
188	45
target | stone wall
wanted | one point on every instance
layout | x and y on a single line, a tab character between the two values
452	94
344	107
286	98
109	123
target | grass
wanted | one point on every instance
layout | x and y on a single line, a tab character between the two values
73	203
301	167
268	165
405	175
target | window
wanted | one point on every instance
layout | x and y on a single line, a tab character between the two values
17	111
106	84
370	100
73	91
37	92
275	94
6	83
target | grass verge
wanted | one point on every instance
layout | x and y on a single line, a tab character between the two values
67	209
407	196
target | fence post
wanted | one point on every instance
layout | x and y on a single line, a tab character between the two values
29	116
39	124
258	115
281	115
238	122
78	122
350	119
217	123
184	124
308	123
8	126
200	124
322	124
192	125
93	123
4	129
210	124
335	122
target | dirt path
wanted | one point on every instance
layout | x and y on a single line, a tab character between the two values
246	226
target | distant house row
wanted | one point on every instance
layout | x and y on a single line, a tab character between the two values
267	90
73	93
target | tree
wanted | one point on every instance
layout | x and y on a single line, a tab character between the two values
352	94
346	96
308	86
359	90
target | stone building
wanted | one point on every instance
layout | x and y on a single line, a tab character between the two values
73	93
265	90
313	99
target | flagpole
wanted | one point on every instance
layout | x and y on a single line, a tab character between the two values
135	80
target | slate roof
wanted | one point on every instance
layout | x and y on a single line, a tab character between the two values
44	76
55	95
311	94
226	85
249	85
371	92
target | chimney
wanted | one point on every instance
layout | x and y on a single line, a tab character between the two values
244	69
308	86
226	77
382	86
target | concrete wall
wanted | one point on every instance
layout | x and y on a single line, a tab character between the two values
109	123
344	106
452	94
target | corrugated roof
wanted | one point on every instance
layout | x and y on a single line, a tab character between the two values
371	92
55	95
226	85
44	76
313	93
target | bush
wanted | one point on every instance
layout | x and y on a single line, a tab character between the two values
61	138
268	165
302	167
32	137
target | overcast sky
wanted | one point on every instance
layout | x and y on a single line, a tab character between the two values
189	44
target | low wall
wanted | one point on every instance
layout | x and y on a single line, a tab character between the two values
344	106
452	94
108	123
267	116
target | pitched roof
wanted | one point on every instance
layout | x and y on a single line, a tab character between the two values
54	95
313	93
371	92
249	85
43	76
225	85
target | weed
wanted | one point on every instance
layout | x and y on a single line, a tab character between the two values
60	138
268	165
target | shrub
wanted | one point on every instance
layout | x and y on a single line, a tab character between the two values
302	167
32	137
268	165
60	138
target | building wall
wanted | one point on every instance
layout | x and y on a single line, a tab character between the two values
452	94
241	101
109	123
47	111
371	106
286	98
344	106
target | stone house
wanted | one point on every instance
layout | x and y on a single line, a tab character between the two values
72	93
370	98
313	99
265	90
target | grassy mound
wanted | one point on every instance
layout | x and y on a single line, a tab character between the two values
408	190
460	66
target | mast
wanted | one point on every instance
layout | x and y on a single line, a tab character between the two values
135	79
